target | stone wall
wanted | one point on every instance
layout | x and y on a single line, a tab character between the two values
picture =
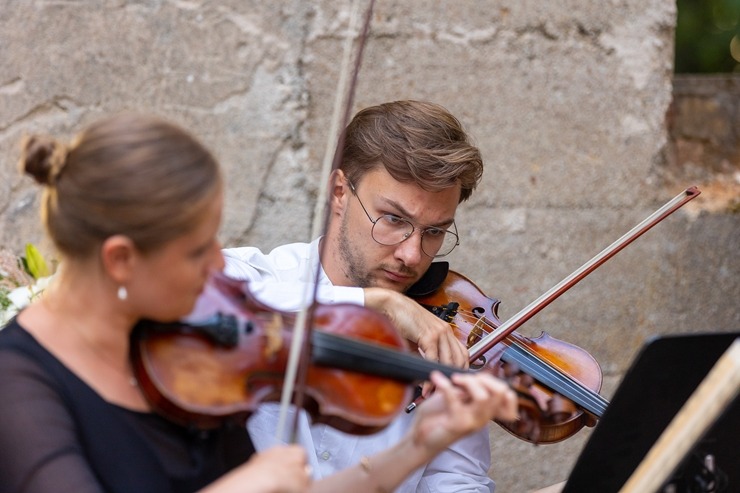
704	137
567	101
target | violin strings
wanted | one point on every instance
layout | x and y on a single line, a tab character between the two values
562	384
569	385
362	355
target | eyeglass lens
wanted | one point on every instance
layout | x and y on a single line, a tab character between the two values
391	230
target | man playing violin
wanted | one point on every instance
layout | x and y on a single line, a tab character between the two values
405	167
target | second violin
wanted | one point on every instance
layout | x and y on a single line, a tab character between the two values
564	379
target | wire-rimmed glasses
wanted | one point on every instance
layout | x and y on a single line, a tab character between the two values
389	230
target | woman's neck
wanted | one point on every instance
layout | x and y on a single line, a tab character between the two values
88	303
80	320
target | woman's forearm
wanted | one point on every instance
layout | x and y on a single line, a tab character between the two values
460	405
379	473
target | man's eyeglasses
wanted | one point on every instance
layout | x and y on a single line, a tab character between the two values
390	230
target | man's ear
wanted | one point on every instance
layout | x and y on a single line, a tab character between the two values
118	254
340	191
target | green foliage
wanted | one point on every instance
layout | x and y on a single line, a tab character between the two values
34	263
15	281
4	300
706	31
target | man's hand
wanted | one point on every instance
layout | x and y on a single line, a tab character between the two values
435	338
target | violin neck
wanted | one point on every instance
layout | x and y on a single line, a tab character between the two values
348	354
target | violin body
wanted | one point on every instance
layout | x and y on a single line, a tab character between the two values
234	356
472	315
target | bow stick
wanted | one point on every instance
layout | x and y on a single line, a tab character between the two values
298	359
506	328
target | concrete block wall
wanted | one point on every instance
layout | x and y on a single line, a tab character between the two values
567	101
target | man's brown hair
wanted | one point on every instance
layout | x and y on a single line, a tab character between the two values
415	141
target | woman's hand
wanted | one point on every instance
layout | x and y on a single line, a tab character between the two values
276	470
434	337
459	406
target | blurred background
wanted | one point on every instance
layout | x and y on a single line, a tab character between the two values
708	37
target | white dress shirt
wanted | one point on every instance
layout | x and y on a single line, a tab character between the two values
283	279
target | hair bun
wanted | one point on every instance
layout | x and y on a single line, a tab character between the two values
43	158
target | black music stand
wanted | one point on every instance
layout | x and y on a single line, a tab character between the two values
662	377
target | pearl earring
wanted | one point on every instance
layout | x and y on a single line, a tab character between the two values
122	293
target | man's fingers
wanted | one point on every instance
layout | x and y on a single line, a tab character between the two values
438	343
428	348
461	358
451	351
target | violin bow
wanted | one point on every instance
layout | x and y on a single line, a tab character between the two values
481	347
298	359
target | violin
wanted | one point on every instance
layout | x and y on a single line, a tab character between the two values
563	378
230	356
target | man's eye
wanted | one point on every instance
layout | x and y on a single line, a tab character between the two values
435	232
394	220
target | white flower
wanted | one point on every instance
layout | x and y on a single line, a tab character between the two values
21	297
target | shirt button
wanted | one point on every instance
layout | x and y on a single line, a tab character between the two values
325	455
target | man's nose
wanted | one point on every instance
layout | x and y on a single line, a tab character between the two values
409	250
